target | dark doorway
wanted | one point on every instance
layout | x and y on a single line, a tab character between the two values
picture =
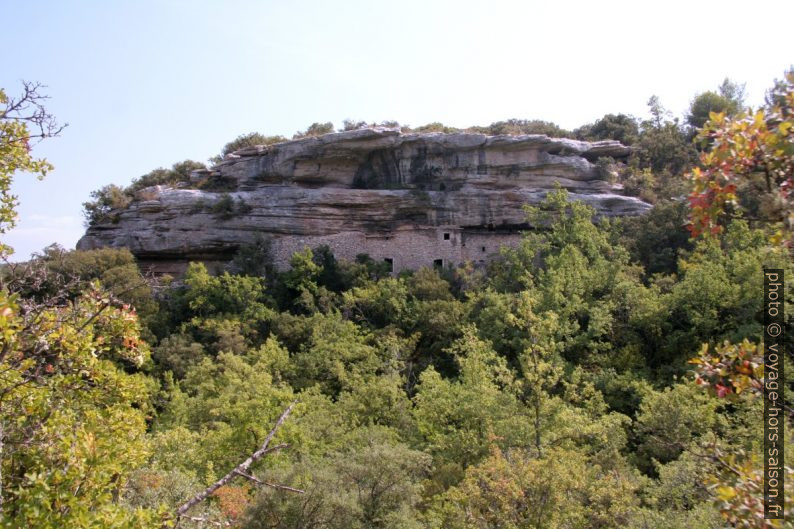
438	263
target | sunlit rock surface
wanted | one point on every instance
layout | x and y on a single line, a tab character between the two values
414	199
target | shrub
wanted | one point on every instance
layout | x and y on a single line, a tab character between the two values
315	129
523	126
620	127
105	206
246	140
606	169
179	172
254	259
227	207
223	207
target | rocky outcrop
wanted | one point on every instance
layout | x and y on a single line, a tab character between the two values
374	191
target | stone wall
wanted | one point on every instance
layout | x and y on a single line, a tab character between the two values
408	249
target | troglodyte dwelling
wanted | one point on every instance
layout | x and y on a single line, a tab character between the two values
411	200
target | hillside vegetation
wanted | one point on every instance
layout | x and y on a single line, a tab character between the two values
600	374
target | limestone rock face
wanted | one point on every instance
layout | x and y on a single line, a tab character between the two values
413	199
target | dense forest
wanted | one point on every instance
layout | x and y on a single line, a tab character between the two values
600	374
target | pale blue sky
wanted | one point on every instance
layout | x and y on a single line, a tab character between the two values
148	83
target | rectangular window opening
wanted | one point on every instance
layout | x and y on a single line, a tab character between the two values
438	263
390	262
446	236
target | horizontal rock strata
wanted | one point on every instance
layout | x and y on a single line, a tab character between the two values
414	199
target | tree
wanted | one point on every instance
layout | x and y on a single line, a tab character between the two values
657	238
242	469
750	155
106	206
373	482
584	280
736	480
72	407
514	489
221	411
664	145
72	412
618	127
728	100
23	120
669	421
659	114
459	418
254	259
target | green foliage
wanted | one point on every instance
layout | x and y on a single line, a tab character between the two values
251	139
523	126
73	408
664	145
350	124
658	238
178	174
109	201
106	205
229	403
513	489
22	119
377	304
372	483
339	276
224	294
585	280
669	421
73	418
549	390
253	259
436	127
227	207
458	419
155	489
706	103
178	353
315	129
747	167
729	101
619	127
716	297
606	169
114	268
335	355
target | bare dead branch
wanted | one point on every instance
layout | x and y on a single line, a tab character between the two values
29	108
207	520
268	484
241	468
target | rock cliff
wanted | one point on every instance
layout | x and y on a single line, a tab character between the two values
412	199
